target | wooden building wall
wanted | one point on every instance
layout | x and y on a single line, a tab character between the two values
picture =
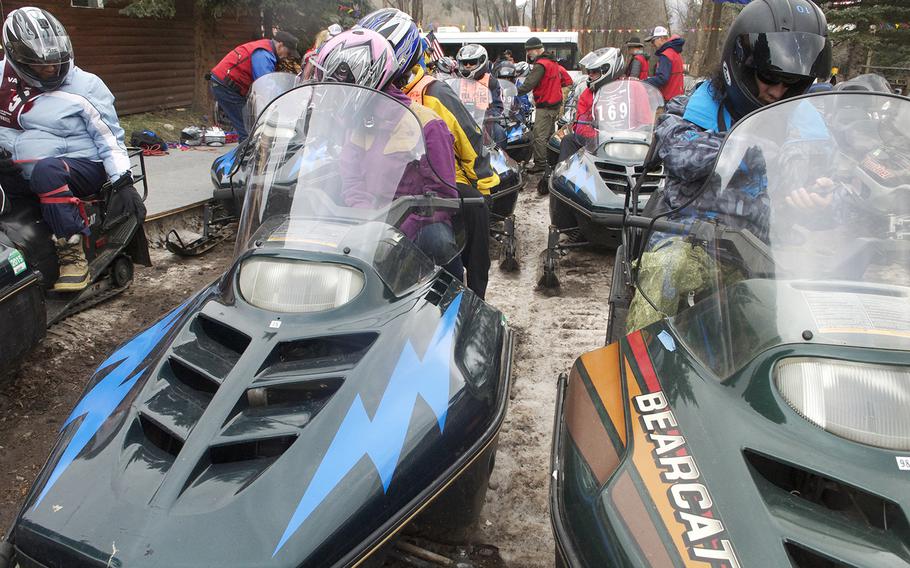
149	63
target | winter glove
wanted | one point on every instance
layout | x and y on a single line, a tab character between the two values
8	167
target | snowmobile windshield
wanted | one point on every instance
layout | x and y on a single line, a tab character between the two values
344	170
800	236
509	98
621	120
481	104
263	91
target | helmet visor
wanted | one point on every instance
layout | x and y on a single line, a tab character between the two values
788	53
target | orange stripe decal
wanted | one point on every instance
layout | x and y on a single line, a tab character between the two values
602	366
588	431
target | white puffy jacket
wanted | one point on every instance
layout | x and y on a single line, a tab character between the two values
77	120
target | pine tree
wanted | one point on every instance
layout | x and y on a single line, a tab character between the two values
859	28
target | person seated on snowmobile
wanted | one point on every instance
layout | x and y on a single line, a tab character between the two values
473	63
860	127
521	106
60	139
602	66
474	175
759	66
363	57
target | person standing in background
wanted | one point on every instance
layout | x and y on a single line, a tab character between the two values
668	72
545	81
638	63
236	72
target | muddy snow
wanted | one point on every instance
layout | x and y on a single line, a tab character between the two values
550	332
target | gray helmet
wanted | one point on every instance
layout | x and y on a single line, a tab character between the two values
867	82
522	69
607	60
32	37
476	54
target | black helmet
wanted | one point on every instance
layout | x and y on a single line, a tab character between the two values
33	37
507	71
780	40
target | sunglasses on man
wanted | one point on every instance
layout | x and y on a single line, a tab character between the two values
772	78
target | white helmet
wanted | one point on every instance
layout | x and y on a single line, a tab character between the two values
606	60
472	54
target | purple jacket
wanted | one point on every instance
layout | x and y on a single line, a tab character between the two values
382	165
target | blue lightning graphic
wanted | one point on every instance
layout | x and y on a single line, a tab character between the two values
96	406
382	438
579	174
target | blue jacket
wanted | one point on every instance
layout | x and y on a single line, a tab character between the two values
77	120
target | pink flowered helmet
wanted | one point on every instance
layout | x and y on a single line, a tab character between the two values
359	56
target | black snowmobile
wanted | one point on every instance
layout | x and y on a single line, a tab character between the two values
333	386
29	265
503	198
759	418
589	191
228	175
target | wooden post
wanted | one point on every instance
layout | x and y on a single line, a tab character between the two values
205	60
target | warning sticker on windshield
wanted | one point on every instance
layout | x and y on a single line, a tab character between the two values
322	236
903	463
844	312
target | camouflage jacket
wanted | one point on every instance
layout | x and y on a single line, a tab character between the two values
690	137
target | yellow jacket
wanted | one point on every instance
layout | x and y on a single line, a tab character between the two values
472	164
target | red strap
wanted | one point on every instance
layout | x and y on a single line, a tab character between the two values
67	200
60	189
155	150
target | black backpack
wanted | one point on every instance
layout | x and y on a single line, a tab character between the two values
148	140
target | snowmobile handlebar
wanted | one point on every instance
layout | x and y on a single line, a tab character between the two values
660	225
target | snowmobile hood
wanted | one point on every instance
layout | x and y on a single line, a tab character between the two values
598	184
228	435
657	462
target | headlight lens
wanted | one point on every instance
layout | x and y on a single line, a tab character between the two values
861	402
293	286
626	152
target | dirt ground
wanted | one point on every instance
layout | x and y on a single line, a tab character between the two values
551	331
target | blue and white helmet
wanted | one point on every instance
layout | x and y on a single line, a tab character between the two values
401	31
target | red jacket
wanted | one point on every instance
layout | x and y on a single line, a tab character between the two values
584	118
236	68
548	93
566	78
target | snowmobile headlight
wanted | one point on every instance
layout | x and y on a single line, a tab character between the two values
862	402
625	151
293	286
